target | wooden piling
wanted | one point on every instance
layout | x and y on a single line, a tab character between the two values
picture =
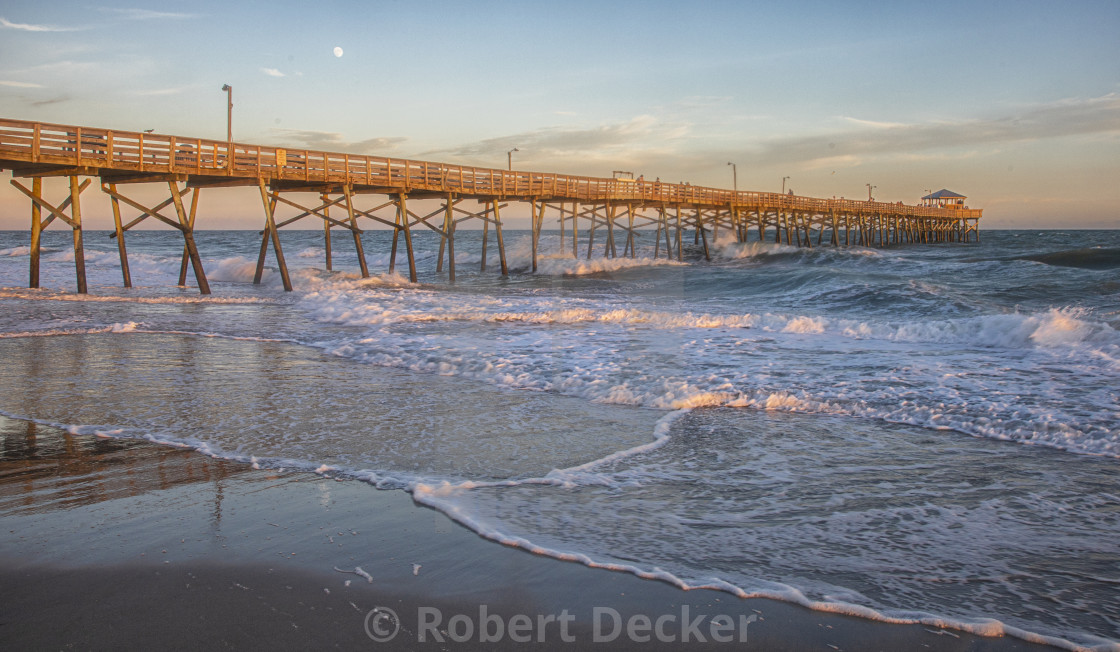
406	226
271	232
450	229
680	236
327	230
79	245
533	232
608	247
348	190
192	248
703	235
485	236
186	253
498	232
36	232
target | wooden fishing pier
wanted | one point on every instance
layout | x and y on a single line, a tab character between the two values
379	189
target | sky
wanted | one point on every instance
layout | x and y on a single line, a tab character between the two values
1014	104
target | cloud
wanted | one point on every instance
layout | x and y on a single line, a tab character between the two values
24	27
272	72
161	91
59	67
1074	117
327	141
147	14
621	141
874	123
16	84
54	100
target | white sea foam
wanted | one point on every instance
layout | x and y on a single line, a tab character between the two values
1058	327
237	270
443	498
480	513
570	266
528	361
735	251
48	295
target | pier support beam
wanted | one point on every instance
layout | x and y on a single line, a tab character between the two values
536	220
327	231
498	231
56	212
191	249
403	225
272	198
118	229
186	250
357	233
271	233
575	229
183	222
703	234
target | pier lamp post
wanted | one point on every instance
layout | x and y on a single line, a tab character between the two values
869	189
734	176
509	158
928	202
784	184
229	111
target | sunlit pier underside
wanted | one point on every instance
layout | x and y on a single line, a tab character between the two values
611	215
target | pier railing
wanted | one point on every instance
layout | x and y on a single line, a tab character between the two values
105	150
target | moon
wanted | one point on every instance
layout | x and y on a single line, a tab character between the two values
337	51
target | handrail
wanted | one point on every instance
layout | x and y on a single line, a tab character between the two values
88	147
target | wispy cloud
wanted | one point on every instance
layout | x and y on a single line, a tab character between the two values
57	67
26	27
874	123
1074	117
640	136
16	84
161	91
54	100
147	14
273	72
329	141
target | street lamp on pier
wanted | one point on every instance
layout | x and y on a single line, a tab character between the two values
784	184
229	111
509	158
734	176
869	189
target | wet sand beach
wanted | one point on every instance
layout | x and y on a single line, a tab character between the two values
124	544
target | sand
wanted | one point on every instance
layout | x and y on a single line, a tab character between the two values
124	544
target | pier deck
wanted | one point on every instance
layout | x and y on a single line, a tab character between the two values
36	150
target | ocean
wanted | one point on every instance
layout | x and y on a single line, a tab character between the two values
921	433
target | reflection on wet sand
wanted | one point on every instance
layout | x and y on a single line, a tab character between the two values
44	468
